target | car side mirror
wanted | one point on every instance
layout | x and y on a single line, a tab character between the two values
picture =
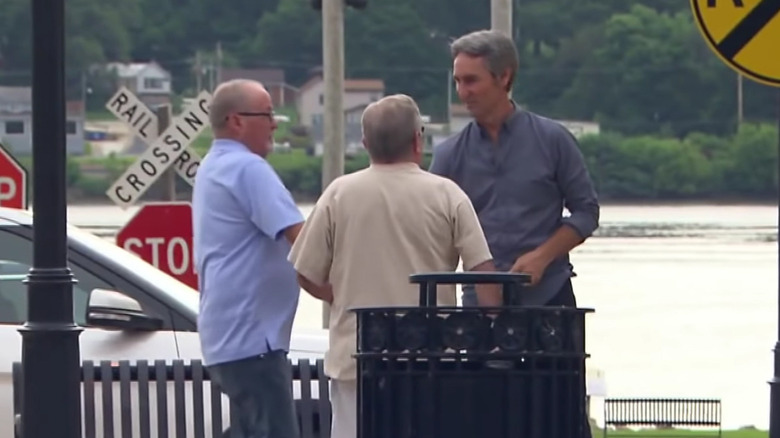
114	310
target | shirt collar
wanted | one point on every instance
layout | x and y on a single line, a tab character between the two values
508	122
227	143
395	167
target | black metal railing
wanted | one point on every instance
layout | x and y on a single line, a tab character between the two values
662	413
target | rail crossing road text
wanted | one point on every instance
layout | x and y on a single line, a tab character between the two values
128	108
169	149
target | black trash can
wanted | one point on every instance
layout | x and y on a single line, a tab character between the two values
451	372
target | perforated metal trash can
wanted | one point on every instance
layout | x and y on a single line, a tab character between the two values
430	372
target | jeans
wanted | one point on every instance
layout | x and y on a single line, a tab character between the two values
260	387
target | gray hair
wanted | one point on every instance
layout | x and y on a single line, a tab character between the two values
389	127
496	48
229	96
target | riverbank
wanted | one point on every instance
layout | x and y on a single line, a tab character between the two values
642	170
661	433
83	201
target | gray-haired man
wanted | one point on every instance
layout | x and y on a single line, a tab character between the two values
373	228
519	170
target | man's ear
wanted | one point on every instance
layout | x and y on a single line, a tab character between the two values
506	79
419	142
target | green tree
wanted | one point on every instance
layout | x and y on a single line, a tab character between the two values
748	165
645	77
289	37
408	59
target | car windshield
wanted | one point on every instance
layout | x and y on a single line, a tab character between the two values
170	285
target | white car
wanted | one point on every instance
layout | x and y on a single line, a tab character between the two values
107	274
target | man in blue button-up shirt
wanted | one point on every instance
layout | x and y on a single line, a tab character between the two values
519	170
245	221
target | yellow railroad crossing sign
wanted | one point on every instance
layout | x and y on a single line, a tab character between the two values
745	34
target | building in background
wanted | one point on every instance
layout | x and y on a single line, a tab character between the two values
16	122
358	93
273	79
147	80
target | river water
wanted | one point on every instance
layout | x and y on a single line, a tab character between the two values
685	301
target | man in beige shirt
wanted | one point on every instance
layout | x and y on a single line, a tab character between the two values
370	230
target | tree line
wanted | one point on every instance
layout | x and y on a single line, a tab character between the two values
637	67
643	168
668	108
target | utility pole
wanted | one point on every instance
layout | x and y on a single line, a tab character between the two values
197	72
333	117
740	100
774	394
84	93
163	113
211	73
219	63
501	16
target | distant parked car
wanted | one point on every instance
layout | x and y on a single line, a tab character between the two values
110	277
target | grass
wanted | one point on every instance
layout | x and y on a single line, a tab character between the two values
100	116
746	433
202	144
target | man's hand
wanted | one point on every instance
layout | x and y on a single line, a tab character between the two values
532	263
327	293
535	262
324	292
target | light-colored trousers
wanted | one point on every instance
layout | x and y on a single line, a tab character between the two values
343	399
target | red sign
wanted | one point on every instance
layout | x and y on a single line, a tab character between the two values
13	181
161	234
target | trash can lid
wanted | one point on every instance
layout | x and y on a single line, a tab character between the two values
471	277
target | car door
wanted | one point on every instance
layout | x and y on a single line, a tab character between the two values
16	250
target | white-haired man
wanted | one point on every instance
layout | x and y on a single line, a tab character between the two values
370	230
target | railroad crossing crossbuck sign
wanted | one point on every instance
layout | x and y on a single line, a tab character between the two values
13	181
745	34
169	149
128	108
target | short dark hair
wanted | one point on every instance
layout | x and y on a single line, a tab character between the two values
497	49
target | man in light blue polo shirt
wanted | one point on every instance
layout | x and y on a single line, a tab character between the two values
245	222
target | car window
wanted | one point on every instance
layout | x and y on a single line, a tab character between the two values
15	263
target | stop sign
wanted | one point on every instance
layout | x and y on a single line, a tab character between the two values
13	181
161	234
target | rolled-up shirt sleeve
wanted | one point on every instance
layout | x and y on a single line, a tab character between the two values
312	253
579	194
468	236
267	201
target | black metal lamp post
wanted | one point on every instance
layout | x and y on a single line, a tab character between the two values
51	404
774	397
